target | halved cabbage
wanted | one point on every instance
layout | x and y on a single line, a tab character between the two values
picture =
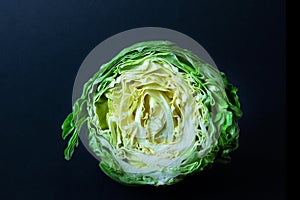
156	113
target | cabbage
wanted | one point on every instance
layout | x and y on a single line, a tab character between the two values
156	113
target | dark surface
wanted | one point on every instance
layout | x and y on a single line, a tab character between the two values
42	45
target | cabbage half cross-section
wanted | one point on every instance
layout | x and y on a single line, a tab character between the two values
156	113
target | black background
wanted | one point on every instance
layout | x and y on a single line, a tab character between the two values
42	45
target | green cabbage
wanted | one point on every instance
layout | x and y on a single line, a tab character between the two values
156	113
